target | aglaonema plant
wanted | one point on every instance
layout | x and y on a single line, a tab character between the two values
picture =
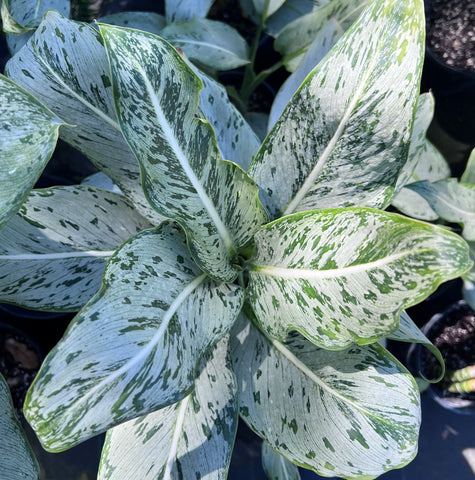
222	292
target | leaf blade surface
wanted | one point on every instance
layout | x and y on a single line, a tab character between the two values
184	178
343	276
192	438
17	461
350	414
65	66
209	42
345	134
52	253
29	134
135	346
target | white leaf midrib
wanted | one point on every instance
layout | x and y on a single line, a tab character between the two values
292	358
56	256
145	351
82	100
183	160
177	431
309	274
313	175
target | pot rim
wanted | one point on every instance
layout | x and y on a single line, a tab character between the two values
451	402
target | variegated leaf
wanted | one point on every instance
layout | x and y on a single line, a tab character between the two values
184	178
424	162
24	16
184	10
451	200
468	288
9	23
419	142
65	66
265	8
28	13
17	461
294	40
191	439
343	276
148	21
409	332
135	346
344	137
350	414
236	139
411	203
469	173
101	180
288	12
29	132
208	42
276	466
322	44
432	167
53	252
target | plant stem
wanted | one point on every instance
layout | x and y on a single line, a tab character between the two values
249	73
260	77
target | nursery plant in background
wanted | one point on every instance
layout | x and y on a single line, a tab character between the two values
211	287
431	195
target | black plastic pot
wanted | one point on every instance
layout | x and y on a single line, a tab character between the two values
453	88
458	403
454	92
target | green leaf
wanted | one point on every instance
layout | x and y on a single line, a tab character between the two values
236	139
431	166
17	461
183	175
344	137
276	466
210	43
295	38
192	438
290	11
410	202
424	162
53	253
468	288
451	200
322	44
21	17
9	24
419	143
409	332
468	291
28	13
469	173
184	10
29	132
265	8
65	66
343	276
350	414
101	180
135	346
148	21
